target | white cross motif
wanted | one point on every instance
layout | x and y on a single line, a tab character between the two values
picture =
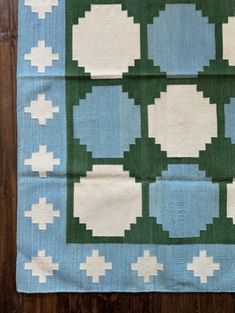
41	109
41	266
42	213
41	56
147	266
42	161
95	266
203	266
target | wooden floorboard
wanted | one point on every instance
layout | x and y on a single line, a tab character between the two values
10	300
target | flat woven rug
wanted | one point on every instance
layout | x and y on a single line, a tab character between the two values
126	145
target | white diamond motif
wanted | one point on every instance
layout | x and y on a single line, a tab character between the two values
42	213
41	266
147	266
203	266
41	7
42	161
41	109
41	56
95	266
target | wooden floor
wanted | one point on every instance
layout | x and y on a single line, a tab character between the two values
10	300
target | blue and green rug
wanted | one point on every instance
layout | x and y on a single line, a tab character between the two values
126	145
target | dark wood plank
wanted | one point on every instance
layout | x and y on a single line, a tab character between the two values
10	300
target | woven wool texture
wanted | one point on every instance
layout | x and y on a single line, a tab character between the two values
126	145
